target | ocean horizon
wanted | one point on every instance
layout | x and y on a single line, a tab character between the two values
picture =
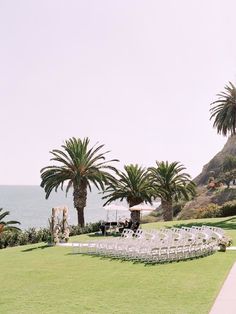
27	204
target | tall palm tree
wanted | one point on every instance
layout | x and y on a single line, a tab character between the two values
224	111
7	225
78	166
170	184
131	185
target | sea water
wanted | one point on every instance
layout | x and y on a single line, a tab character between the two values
27	204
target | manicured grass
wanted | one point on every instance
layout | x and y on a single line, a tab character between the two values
41	279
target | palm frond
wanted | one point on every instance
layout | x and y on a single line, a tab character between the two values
7	225
170	182
224	111
77	163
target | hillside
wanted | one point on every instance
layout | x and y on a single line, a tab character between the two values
205	197
216	162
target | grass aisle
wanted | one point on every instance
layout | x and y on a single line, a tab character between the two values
40	279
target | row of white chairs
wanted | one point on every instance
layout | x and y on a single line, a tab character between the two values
155	246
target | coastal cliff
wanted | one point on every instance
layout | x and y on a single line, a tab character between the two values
215	163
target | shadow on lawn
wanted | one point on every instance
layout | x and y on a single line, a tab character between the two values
42	247
104	236
227	224
136	262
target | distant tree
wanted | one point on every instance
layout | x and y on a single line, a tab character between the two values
79	166
7	225
229	163
211	175
227	177
170	183
132	185
224	111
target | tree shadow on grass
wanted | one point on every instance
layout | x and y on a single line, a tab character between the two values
104	236
227	224
92	235
42	247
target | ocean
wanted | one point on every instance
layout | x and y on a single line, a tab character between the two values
27	204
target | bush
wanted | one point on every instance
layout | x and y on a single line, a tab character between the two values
209	211
228	209
214	210
5	239
88	228
33	235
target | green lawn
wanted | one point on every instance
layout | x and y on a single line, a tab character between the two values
41	279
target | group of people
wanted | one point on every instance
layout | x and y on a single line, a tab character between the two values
121	225
129	224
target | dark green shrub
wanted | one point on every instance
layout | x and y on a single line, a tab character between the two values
23	238
33	235
88	228
9	238
228	209
75	230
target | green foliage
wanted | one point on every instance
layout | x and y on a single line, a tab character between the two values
7	225
214	210
170	182
228	172
228	176
32	235
77	163
78	166
229	163
209	211
88	228
224	111
228	209
132	184
15	238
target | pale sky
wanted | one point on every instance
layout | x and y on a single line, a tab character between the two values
137	76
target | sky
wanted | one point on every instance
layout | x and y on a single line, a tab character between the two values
136	76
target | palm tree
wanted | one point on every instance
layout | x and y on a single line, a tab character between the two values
170	184
7	225
78	166
224	111
131	185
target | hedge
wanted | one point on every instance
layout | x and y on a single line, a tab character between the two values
33	235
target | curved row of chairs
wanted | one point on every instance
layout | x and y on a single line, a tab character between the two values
155	246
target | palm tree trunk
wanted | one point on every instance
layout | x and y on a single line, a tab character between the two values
1	228
80	199
135	214
167	210
80	216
